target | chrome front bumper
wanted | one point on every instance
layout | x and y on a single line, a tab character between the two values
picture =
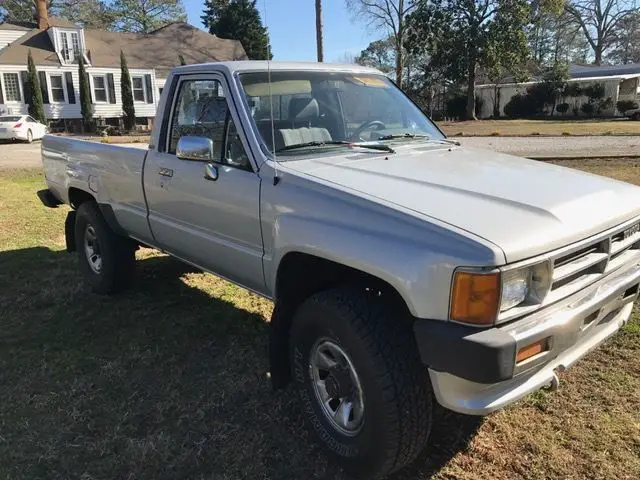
573	327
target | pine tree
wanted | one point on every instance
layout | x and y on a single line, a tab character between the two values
238	20
127	94
33	95
85	96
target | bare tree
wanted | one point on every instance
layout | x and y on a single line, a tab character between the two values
599	20
389	15
319	30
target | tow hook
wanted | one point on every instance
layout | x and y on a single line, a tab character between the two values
555	383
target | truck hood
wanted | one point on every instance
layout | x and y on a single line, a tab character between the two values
525	207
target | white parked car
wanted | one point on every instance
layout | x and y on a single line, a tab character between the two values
21	127
633	114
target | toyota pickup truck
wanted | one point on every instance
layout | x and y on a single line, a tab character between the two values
405	269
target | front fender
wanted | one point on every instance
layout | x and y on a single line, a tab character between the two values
416	260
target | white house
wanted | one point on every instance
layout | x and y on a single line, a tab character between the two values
56	44
621	82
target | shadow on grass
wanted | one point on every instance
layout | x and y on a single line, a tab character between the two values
166	380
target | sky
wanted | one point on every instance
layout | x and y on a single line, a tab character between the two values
292	28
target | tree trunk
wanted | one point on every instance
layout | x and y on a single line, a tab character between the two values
319	44
598	54
471	88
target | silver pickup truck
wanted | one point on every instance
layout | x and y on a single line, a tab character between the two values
404	268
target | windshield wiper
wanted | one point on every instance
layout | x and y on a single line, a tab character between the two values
371	146
403	135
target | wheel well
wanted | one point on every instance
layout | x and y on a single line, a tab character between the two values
300	276
77	197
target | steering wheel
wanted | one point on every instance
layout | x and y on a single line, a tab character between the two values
369	125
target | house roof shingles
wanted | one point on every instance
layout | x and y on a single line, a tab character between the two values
158	50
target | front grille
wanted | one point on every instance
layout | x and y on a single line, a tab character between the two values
575	268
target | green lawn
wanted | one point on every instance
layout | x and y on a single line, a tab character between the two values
169	380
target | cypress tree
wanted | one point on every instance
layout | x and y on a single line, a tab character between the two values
33	94
127	94
85	96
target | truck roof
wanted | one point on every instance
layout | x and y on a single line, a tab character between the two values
232	67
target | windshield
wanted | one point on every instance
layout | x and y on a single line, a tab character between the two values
9	119
331	110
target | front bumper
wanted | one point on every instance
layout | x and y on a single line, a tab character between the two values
475	371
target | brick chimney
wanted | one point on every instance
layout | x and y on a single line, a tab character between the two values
42	15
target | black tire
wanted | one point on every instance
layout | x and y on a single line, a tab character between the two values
117	254
29	136
397	394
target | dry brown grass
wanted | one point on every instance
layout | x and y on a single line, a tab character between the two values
167	381
511	128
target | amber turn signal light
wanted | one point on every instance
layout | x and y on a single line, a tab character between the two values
475	298
532	350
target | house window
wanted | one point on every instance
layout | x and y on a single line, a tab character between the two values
99	89
12	87
70	45
138	89
57	88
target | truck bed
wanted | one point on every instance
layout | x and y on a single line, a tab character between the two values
112	172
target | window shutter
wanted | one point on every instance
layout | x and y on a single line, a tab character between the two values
1	97
112	88
149	88
71	94
26	88
44	87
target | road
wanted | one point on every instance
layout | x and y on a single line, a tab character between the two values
541	147
21	155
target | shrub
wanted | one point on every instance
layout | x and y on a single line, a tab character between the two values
562	108
587	108
520	106
457	106
595	91
437	115
624	105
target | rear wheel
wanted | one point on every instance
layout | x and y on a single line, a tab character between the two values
107	260
365	394
29	136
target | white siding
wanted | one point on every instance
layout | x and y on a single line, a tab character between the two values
10	36
105	109
68	110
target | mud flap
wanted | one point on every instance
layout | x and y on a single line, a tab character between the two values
70	231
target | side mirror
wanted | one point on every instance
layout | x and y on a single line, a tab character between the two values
195	148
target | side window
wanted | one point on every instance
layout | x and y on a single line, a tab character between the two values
200	110
235	154
30	120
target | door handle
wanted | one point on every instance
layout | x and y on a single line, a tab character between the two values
166	172
210	172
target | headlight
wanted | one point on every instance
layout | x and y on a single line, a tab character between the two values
515	287
478	298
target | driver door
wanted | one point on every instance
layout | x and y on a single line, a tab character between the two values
206	212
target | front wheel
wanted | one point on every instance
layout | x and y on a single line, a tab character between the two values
365	394
107	260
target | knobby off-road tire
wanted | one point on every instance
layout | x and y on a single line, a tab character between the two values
394	423
107	260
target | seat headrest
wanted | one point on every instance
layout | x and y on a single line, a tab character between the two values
301	108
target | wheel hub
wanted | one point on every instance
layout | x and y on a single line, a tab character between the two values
92	249
337	387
